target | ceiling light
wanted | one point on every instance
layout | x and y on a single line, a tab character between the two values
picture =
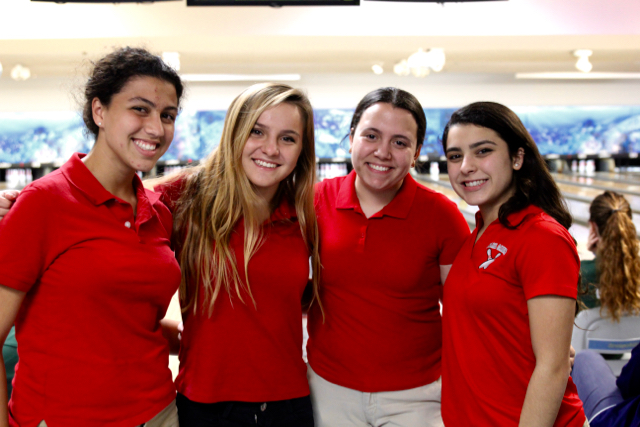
437	59
377	69
402	68
583	63
574	75
172	59
421	63
240	77
20	73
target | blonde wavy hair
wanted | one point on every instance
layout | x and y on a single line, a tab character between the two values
217	194
617	254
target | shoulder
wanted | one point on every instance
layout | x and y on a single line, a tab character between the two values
539	225
170	191
329	188
50	187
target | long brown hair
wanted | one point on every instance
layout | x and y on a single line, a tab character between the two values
618	261
217	194
533	183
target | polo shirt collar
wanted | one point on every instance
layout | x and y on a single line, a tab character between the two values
399	207
79	175
514	218
284	212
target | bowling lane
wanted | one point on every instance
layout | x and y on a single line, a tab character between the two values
599	183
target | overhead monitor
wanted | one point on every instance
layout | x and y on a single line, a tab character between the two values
273	3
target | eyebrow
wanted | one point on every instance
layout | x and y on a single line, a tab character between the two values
472	146
285	131
392	136
150	103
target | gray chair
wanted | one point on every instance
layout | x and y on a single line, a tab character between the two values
599	333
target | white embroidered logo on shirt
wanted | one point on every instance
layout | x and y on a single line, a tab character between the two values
501	251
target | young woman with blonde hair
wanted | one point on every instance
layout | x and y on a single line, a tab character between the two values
613	277
244	229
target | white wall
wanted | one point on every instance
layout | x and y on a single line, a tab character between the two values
344	91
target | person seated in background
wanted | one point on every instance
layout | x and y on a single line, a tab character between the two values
608	402
613	277
10	356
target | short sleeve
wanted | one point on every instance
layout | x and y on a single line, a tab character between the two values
170	192
24	239
452	232
548	263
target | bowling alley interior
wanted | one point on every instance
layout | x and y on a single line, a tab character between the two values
570	70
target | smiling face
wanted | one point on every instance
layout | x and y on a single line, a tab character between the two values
481	168
383	149
137	126
272	150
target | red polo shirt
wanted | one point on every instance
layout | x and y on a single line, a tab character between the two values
488	358
380	286
244	352
98	281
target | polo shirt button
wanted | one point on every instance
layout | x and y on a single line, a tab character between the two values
127	224
263	407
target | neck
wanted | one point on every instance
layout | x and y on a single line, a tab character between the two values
372	202
110	172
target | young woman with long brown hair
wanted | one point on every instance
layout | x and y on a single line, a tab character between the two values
509	299
613	277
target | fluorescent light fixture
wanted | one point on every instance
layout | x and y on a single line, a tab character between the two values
377	69
20	73
583	63
578	76
240	77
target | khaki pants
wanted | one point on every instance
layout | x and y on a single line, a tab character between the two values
337	406
168	417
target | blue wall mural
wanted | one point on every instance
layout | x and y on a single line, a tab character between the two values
50	137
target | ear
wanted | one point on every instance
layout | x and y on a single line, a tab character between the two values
518	159
351	139
593	228
98	111
416	155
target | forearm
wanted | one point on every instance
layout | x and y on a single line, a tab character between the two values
171	332
544	396
4	416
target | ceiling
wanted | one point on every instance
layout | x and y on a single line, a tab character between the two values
486	37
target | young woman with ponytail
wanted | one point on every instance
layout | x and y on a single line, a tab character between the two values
613	277
613	280
509	299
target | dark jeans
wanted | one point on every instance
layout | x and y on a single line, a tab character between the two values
281	413
595	382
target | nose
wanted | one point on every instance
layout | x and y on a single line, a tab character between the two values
270	147
467	166
153	126
383	151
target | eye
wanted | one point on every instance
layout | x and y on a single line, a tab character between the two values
289	139
453	157
369	136
139	109
256	132
171	118
401	143
484	151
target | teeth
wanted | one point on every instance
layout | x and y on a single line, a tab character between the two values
265	164
144	145
378	168
475	183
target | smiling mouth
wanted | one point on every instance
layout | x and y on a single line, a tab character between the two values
474	183
146	146
265	164
378	168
